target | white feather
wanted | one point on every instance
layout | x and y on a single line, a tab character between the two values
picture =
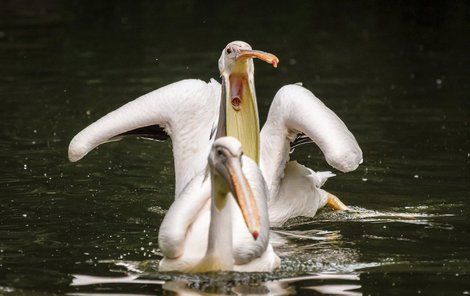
295	189
248	254
319	178
186	109
299	195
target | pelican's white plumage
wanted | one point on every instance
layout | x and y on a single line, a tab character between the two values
293	190
183	242
188	111
299	194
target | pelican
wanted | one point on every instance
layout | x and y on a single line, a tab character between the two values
194	114
233	233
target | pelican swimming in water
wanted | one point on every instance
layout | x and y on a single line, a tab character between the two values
231	233
195	113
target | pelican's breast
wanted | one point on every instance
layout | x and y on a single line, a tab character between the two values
195	245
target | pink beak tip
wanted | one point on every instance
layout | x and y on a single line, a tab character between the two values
255	234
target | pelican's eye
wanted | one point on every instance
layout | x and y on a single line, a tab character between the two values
220	152
229	50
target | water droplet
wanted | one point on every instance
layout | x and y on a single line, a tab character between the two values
416	176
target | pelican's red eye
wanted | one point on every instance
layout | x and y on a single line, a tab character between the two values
229	50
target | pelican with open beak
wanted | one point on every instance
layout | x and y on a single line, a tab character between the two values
238	92
197	115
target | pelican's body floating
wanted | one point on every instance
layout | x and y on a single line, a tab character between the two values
217	229
195	113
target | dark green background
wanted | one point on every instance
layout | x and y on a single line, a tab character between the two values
397	73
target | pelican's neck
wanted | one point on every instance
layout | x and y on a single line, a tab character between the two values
242	120
219	248
275	154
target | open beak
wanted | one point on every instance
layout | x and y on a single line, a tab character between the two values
264	56
241	113
243	194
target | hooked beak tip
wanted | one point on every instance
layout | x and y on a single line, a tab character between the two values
255	234
274	63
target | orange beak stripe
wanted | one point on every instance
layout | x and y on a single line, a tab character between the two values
264	56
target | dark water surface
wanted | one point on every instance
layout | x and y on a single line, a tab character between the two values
397	75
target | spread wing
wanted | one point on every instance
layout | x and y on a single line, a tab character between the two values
297	117
186	111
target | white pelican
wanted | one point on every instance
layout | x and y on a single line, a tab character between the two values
217	227
194	113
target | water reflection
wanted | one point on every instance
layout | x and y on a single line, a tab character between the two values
302	252
419	215
222	284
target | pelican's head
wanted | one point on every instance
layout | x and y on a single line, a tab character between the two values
225	161
237	57
238	93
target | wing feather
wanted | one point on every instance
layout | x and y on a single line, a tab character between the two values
185	110
297	117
